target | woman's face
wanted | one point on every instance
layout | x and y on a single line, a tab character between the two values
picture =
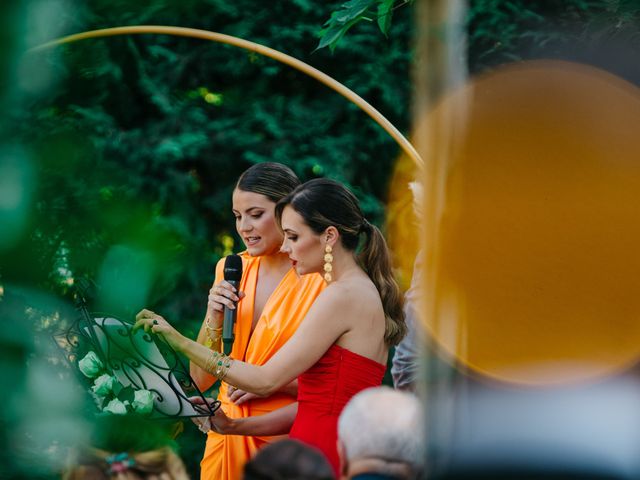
256	223
304	247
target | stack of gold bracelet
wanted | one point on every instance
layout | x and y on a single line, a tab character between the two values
213	335
218	364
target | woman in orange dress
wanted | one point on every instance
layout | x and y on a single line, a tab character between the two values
274	301
341	347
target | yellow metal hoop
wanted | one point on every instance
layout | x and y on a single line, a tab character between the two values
404	144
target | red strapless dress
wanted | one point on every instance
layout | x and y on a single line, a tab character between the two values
323	391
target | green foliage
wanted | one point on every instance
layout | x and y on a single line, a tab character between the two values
601	32
123	152
384	15
119	155
353	12
137	141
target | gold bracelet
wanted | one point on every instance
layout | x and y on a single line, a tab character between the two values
211	361
214	335
213	342
223	366
218	364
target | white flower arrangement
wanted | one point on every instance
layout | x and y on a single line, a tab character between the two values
112	397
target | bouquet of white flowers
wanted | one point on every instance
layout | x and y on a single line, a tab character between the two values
131	372
111	396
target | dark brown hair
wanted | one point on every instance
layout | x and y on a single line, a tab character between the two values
273	180
323	203
288	460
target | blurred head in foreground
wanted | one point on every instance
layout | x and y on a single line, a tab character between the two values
288	460
128	447
95	464
380	431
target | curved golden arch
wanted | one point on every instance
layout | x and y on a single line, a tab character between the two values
293	62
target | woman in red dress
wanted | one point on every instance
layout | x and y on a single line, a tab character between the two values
342	344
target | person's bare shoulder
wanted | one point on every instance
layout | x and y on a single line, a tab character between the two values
358	294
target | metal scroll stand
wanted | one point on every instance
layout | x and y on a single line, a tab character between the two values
138	360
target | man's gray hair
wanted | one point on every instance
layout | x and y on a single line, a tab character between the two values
383	423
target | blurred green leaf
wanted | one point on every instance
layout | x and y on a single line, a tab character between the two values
384	15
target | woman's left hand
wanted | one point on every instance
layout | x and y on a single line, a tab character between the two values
154	323
220	423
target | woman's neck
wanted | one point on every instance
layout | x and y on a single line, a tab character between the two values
344	264
276	261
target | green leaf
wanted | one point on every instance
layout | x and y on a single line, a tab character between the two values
127	393
341	21
330	35
384	15
117	388
352	10
336	34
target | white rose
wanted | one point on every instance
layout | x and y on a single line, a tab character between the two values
116	407
143	401
90	365
103	385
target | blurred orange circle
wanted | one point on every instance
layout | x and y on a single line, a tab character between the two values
532	217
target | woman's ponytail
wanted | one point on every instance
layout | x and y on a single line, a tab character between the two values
376	261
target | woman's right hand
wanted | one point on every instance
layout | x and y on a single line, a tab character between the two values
220	295
203	423
218	422
151	322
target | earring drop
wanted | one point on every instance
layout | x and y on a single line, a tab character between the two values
328	268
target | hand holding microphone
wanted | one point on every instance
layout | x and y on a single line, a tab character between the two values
224	296
221	295
232	275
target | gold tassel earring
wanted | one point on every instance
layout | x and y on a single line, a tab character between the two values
328	258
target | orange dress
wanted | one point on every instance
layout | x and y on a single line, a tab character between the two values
225	455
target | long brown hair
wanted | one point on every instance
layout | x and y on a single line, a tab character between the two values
323	203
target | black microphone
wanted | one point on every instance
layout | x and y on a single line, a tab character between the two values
232	274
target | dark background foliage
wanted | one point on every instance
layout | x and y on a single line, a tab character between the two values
130	146
138	140
122	153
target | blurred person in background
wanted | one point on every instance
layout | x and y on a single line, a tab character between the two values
405	366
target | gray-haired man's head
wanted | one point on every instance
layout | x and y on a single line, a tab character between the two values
382	430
